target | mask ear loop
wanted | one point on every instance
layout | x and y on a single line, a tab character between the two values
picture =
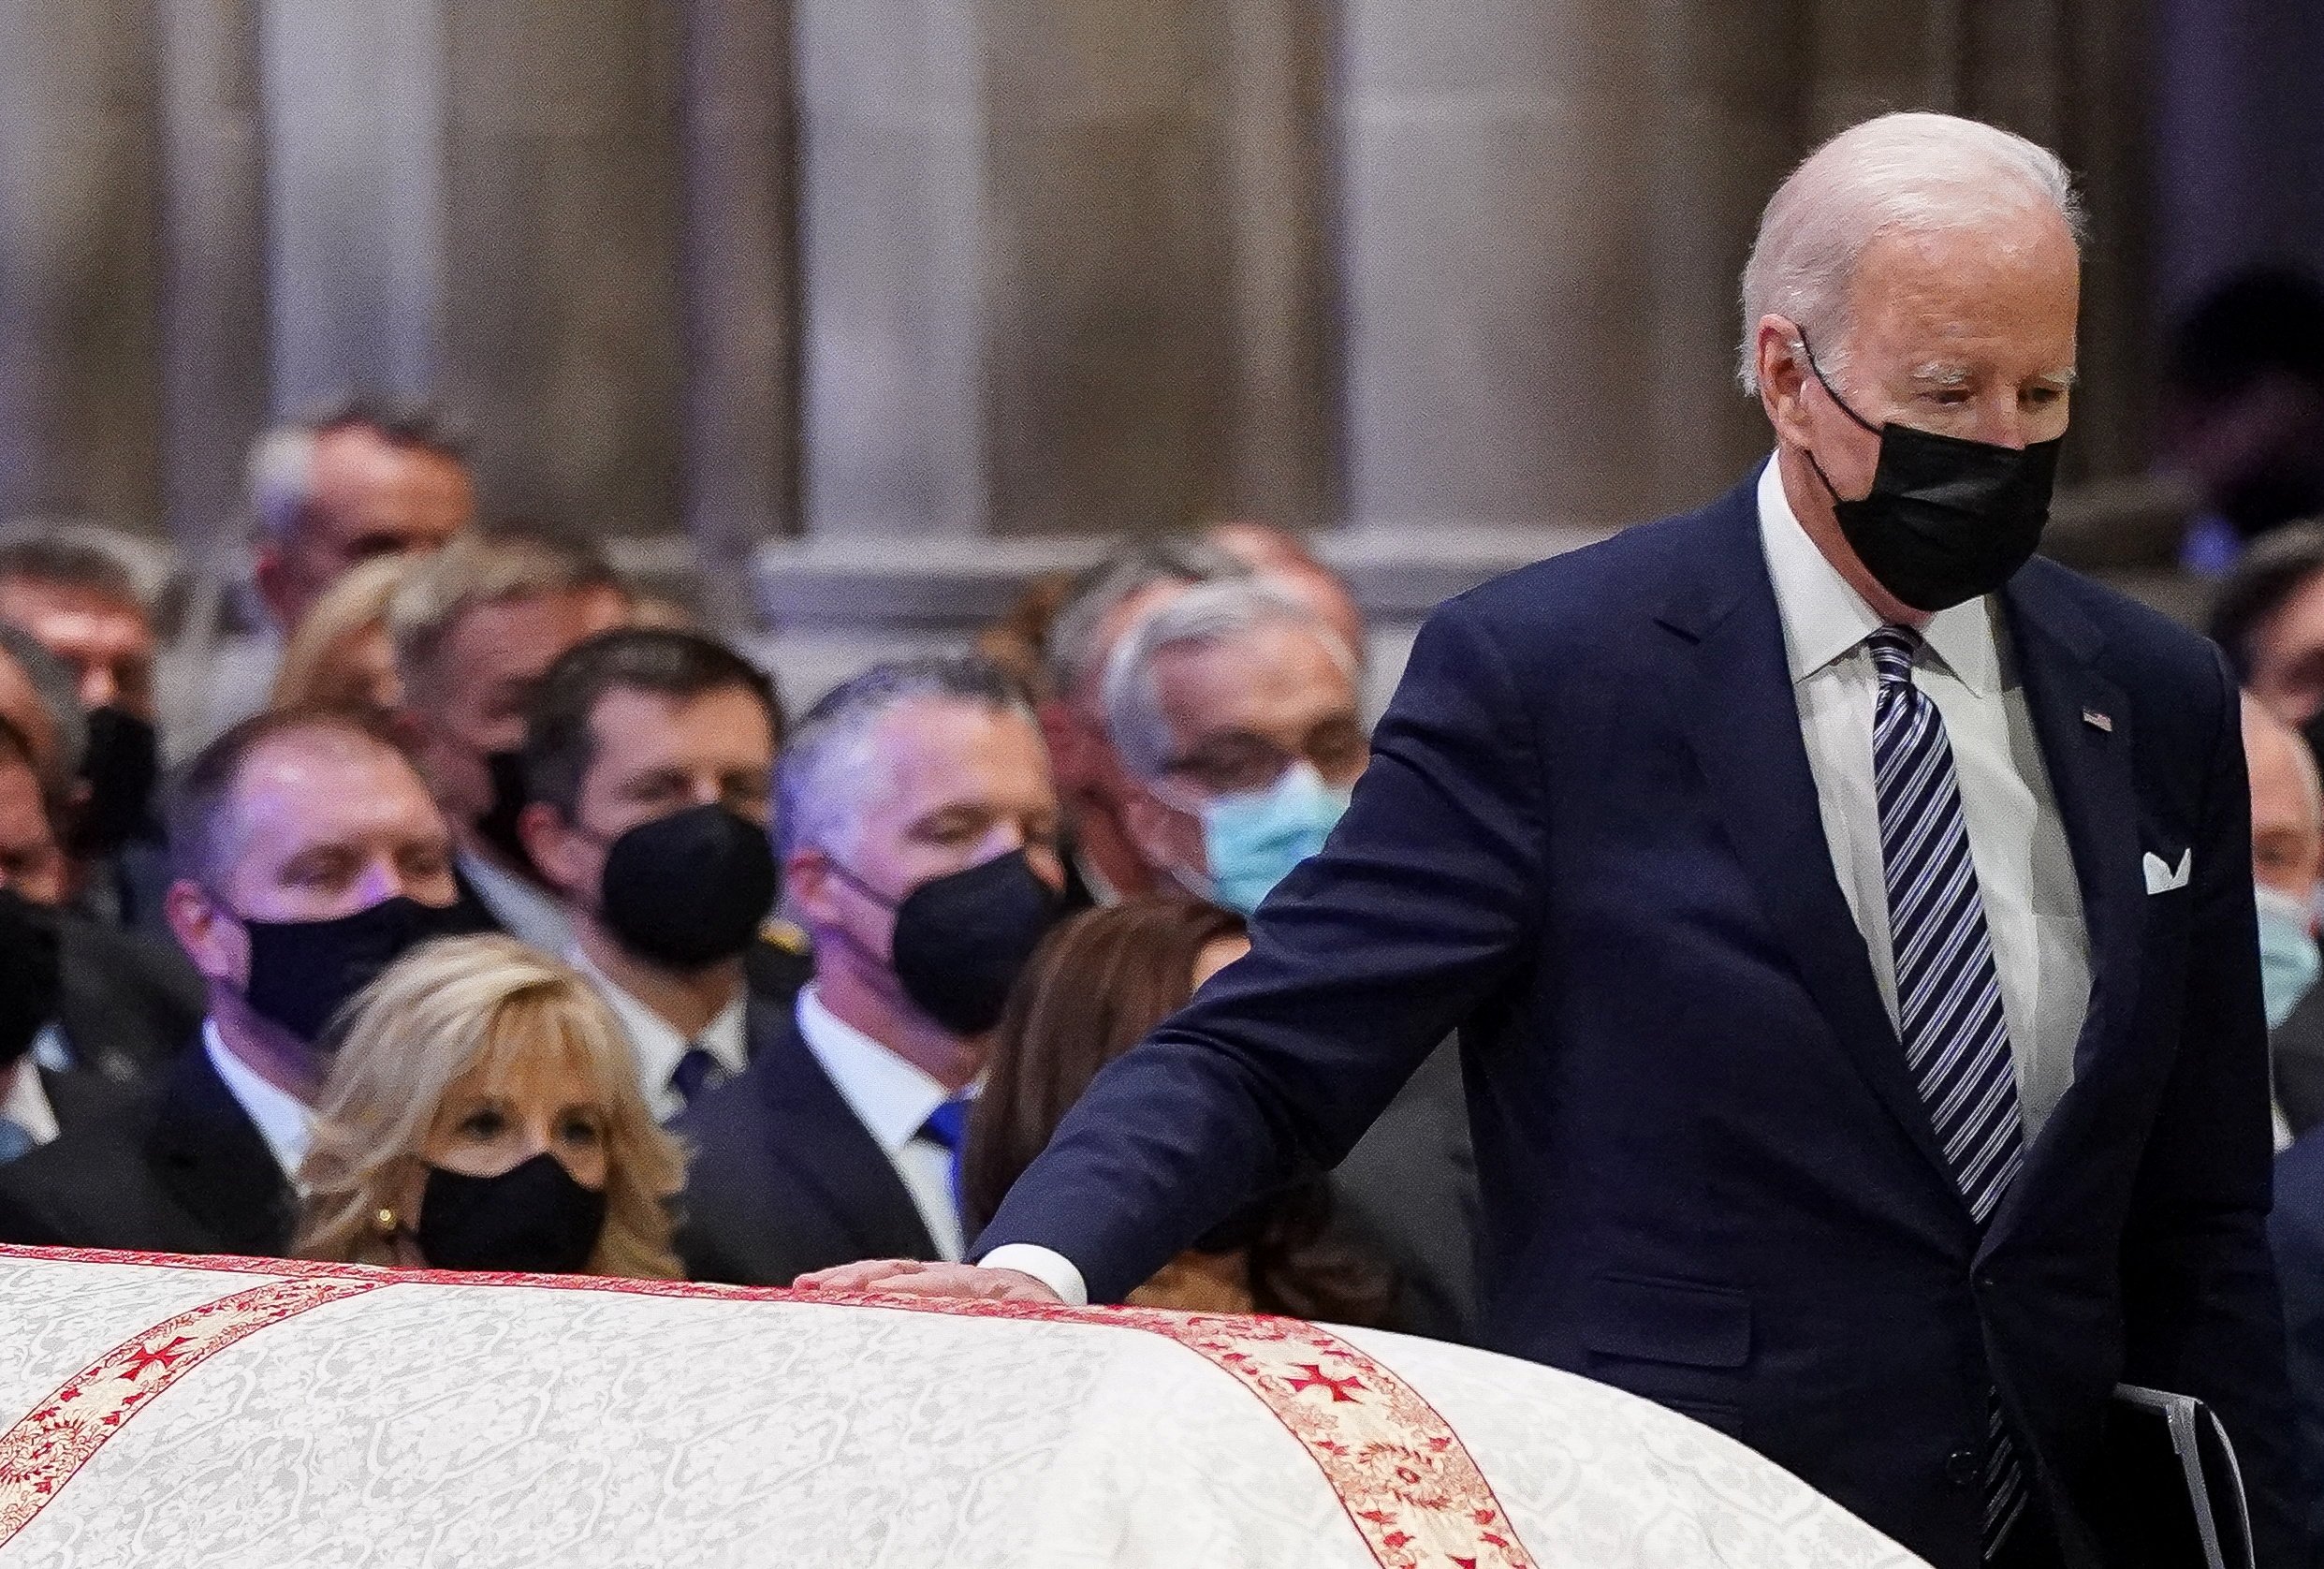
1832	392
847	875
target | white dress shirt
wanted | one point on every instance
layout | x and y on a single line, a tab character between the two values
26	1103
524	910
658	1046
2017	841
283	1120
892	1099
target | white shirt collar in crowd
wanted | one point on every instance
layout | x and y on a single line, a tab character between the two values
657	1044
893	1099
283	1120
26	1103
524	910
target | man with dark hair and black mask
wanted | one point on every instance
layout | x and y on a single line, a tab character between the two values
308	858
80	600
128	1001
649	758
920	830
475	628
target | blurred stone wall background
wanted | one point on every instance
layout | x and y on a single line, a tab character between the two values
796	282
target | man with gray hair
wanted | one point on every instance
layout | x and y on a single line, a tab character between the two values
1102	864
1848	915
919	838
350	482
1233	709
475	628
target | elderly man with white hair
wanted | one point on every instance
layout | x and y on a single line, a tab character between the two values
1233	709
1849	918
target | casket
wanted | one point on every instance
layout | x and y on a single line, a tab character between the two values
237	1412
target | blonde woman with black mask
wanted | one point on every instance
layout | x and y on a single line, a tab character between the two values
483	1113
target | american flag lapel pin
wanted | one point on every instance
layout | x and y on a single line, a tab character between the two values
2098	721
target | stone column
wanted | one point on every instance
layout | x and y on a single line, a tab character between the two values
2239	139
79	394
742	443
562	318
1544	211
214	346
355	194
1272	60
892	264
1064	264
2075	76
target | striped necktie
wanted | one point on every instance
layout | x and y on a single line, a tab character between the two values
1947	992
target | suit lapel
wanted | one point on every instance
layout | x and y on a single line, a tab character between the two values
2083	723
206	1152
812	1129
1742	722
83	1098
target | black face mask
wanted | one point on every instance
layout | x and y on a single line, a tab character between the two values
690	889
532	1219
30	973
122	766
497	827
1947	519
962	939
303	972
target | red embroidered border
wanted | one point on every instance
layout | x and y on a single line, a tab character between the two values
1408	1485
44	1449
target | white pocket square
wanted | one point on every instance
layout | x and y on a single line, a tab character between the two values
2161	876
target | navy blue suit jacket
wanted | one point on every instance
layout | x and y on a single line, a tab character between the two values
2297	1229
782	1179
1590	839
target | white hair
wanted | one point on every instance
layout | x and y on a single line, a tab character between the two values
281	478
1912	173
1206	614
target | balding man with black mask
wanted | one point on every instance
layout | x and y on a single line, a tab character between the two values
308	857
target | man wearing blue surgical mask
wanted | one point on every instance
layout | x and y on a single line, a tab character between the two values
2287	861
1233	709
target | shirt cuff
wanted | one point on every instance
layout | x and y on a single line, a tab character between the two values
1052	1270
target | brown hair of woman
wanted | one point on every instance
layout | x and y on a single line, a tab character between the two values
1099	984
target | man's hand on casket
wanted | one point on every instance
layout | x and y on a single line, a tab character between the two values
911	1277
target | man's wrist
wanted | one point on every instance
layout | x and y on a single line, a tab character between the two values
1050	1267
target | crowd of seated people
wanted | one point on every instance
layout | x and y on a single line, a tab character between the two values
519	898
503	920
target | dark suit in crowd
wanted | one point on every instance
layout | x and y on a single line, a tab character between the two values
1590	838
1408	1194
784	1179
126	1004
185	1171
2297	1229
2297	1047
87	1102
